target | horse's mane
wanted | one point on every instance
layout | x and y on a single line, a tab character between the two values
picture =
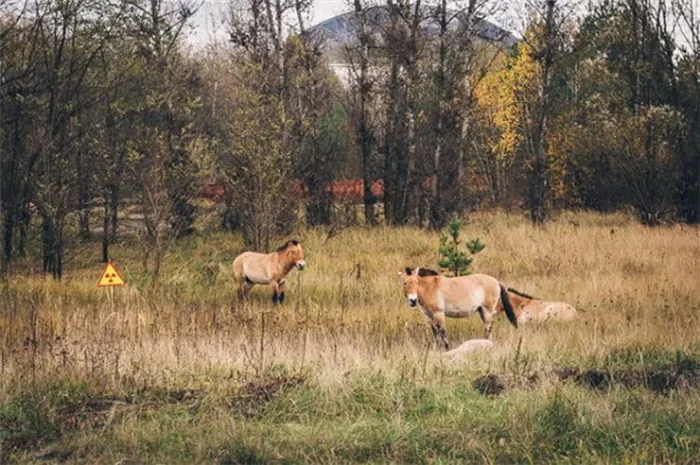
422	272
521	294
291	242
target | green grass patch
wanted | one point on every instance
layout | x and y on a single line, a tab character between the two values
283	419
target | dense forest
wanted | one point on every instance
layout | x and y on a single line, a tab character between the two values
104	106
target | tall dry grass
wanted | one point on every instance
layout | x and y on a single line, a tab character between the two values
635	286
638	290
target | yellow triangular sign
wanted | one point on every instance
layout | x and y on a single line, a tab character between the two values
110	277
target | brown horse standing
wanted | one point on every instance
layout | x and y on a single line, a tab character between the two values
528	308
441	296
250	268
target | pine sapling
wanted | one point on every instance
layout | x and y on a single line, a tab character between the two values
452	257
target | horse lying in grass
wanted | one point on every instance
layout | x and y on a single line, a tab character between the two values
528	308
250	268
440	296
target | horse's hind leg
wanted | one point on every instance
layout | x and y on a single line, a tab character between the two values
244	286
241	289
487	320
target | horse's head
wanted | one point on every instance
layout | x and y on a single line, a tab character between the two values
294	253
410	285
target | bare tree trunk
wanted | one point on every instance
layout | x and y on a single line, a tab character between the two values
114	213
25	217
52	247
461	160
7	223
437	213
83	198
11	200
105	229
409	193
365	142
392	127
364	135
454	57
538	189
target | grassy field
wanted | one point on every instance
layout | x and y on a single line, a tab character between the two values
345	371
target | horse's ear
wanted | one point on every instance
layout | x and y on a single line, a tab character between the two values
409	271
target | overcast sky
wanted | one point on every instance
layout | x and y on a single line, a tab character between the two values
208	21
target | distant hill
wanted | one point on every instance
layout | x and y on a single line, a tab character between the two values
339	31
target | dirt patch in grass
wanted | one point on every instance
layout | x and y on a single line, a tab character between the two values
254	395
29	422
34	419
90	412
660	380
491	385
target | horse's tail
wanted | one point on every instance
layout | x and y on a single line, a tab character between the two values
508	306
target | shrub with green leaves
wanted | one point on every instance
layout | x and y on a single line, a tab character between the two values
452	257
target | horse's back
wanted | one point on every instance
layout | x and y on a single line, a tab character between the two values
479	284
467	294
248	256
471	281
484	279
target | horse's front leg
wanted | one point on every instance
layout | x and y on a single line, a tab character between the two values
281	288
277	294
436	334
438	325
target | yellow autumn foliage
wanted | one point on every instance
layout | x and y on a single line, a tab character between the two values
507	98
503	96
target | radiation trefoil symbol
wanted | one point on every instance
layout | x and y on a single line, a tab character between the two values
110	277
